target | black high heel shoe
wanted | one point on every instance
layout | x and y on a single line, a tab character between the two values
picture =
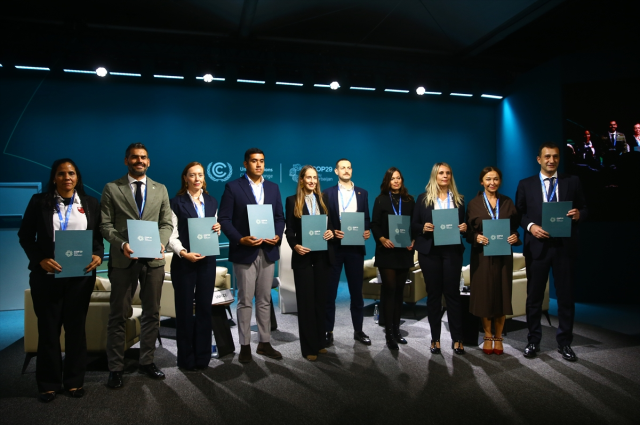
434	348
398	337
460	349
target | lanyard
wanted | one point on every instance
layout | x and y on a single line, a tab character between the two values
344	207
144	197
64	223
448	201
544	189
399	204
493	217
199	208
258	199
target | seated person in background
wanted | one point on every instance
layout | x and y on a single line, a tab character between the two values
586	152
634	142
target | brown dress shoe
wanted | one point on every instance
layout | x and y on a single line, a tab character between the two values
311	358
265	349
245	354
323	351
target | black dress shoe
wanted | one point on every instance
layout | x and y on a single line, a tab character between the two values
328	339
362	337
47	397
151	370
460	349
530	350
567	353
434	348
245	354
77	393
115	380
398	337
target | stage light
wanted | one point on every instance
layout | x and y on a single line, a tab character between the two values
433	92
125	74
334	85
171	77
282	83
207	78
396	91
33	68
420	90
250	81
359	88
461	94
78	71
101	72
325	86
491	96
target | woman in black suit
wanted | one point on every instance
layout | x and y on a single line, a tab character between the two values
63	301
441	265
193	275
310	268
392	263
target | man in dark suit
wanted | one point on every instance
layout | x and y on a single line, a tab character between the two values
586	152
614	142
253	259
346	197
544	253
134	197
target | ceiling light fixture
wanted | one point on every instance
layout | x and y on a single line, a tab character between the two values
420	91
334	85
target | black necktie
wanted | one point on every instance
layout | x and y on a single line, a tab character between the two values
549	197
139	196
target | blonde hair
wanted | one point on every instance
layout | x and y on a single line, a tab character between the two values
432	189
297	210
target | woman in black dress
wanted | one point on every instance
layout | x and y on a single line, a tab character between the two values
392	263
310	268
60	301
441	265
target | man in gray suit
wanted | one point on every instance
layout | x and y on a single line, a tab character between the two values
134	197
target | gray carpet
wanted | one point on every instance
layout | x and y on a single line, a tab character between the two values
354	383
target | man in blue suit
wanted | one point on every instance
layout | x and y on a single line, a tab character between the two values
253	259
347	197
544	253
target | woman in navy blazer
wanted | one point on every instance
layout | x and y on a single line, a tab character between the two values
441	265
193	275
310	268
62	301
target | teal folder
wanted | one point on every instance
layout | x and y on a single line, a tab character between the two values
144	239
261	221
313	228
445	227
400	230
555	220
202	239
497	231
352	224
73	249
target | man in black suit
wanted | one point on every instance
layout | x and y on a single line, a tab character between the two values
347	197
544	253
614	143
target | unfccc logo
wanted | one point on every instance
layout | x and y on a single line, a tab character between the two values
220	171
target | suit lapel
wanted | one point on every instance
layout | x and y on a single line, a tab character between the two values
125	190
47	216
334	204
208	206
189	207
246	186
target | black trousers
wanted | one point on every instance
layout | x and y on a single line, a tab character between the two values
57	303
353	260
193	282
441	269
556	260
311	296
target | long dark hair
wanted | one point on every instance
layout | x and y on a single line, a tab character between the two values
385	187
183	184
51	186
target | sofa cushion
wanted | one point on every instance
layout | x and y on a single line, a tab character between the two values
100	296
370	270
102	284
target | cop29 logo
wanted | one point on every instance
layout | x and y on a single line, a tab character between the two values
219	171
294	172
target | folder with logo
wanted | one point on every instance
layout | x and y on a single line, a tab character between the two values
202	239
261	221
313	228
144	239
352	224
73	250
400	230
497	231
555	220
445	227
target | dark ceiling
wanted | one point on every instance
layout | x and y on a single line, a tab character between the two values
447	44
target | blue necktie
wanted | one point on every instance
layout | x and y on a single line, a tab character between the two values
549	198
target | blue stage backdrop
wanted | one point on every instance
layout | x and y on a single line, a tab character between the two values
92	121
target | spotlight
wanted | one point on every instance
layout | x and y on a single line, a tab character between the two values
334	85
421	90
102	71
208	78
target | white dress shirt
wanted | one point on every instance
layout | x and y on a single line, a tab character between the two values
258	189
345	194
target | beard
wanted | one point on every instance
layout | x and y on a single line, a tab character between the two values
134	172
